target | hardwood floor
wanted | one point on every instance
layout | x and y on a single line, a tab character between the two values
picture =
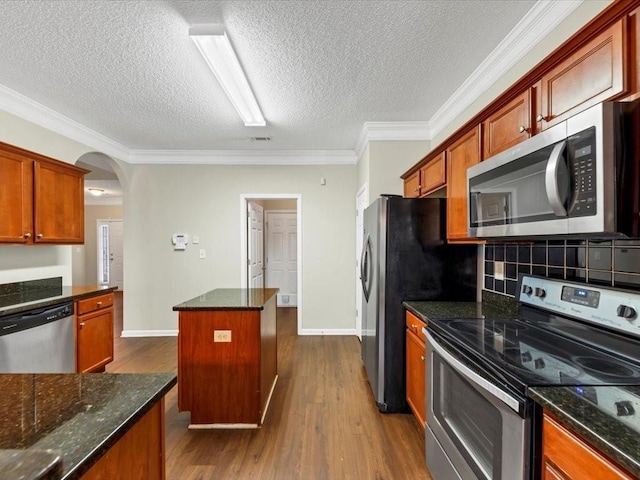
322	422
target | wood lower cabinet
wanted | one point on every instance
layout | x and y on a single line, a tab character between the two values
510	125
140	453
461	155
416	368
94	333
41	199
567	457
595	72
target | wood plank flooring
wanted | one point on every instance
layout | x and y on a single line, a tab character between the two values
322	423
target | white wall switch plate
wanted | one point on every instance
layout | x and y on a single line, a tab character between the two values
203	253
498	270
196	239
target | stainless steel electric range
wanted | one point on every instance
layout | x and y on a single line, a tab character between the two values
480	422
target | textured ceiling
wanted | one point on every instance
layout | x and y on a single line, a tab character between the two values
320	69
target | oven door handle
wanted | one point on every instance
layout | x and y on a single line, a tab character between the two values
473	377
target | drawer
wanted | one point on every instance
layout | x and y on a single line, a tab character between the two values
90	304
415	325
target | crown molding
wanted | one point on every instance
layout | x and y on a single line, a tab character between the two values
543	17
36	113
391	131
244	157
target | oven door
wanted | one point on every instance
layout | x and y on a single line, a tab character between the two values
475	430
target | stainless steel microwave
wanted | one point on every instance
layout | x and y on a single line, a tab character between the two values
579	177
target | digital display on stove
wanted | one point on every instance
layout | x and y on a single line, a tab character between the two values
581	296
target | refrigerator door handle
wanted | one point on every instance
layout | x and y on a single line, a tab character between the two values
365	267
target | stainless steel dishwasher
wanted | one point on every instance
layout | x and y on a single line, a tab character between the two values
38	341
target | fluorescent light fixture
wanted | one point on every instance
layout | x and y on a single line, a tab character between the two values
96	192
215	47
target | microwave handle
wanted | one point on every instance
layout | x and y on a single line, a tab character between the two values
551	179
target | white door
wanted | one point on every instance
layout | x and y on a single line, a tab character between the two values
282	255
361	203
255	245
110	257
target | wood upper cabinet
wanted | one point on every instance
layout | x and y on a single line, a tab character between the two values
41	199
566	457
427	179
16	198
595	72
412	185
510	125
461	155
416	368
94	333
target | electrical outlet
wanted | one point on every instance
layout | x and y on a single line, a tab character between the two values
498	270
196	239
203	253
222	336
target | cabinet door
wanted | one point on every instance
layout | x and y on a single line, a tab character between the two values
460	156
416	377
16	198
412	185
594	73
95	340
59	203
433	175
508	126
567	457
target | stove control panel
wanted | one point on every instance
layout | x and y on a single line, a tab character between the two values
617	309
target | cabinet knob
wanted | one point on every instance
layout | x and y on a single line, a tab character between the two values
99	304
81	324
40	235
540	118
27	235
422	357
523	129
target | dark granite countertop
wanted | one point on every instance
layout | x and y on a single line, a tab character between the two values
77	417
230	299
454	310
32	299
616	439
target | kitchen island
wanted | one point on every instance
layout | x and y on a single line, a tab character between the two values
71	426
227	357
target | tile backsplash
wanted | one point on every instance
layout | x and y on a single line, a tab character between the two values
610	263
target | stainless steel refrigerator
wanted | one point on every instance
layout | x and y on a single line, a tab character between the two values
405	257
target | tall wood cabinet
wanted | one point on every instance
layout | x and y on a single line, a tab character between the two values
461	155
41	199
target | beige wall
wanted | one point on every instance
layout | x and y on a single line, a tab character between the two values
84	257
205	200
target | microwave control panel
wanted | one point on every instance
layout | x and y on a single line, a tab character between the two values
583	173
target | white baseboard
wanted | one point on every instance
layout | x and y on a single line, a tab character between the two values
149	333
329	331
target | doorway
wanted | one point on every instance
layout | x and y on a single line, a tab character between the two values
281	234
110	257
295	206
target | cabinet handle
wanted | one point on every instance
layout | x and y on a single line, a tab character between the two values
40	235
27	235
81	324
540	118
523	129
422	357
99	304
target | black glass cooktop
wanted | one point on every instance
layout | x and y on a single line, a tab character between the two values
526	353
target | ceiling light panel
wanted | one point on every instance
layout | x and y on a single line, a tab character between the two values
214	45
